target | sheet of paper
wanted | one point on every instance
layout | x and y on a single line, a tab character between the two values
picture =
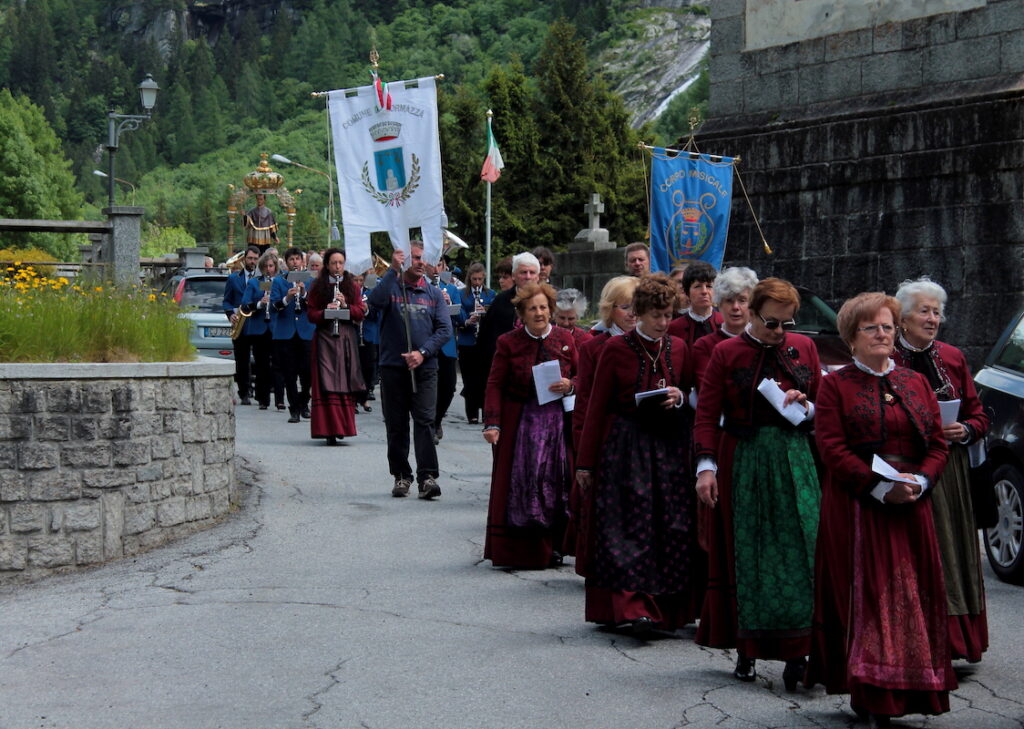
544	376
883	469
650	393
775	395
949	409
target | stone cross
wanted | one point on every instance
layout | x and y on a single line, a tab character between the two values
593	209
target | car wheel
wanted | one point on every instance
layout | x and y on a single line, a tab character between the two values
1003	542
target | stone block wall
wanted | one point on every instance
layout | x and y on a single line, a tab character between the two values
99	462
589	271
942	55
861	202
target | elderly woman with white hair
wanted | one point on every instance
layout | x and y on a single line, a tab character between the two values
731	296
922	305
570	305
501	315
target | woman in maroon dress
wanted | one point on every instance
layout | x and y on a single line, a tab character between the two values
731	295
570	305
615	317
645	565
532	455
700	317
880	629
922	305
759	488
337	381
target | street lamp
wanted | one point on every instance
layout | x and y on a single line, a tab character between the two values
116	123
334	234
101	173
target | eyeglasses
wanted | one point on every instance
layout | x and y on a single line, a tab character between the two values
872	329
775	323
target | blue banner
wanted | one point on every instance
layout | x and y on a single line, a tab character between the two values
690	199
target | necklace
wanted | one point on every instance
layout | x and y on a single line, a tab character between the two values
654	360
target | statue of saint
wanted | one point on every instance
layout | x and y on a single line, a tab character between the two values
260	225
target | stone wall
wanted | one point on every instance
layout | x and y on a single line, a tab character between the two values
882	154
102	461
588	271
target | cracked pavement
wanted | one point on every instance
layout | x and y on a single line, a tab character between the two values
324	603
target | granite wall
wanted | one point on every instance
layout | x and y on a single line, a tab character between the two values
102	461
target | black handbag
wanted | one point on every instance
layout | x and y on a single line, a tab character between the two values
983	493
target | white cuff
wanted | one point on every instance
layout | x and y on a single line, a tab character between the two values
706	464
925	484
882	489
810	411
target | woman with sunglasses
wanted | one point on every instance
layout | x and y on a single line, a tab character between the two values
922	305
880	625
758	486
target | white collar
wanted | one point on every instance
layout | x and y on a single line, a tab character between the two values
535	336
864	368
912	348
749	330
614	330
640	332
697	317
727	333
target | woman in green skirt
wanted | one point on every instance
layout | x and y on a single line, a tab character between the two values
758	487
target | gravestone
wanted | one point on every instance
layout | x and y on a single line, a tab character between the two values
594	237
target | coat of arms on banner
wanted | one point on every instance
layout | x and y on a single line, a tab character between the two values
392	188
690	229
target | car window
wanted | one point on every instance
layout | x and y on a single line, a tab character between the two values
1012	356
815	316
205	294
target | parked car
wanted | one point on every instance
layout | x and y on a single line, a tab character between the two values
202	295
1001	389
817	320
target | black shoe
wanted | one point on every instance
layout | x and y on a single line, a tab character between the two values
294	418
746	669
305	413
429	489
280	406
332	441
642	627
264	406
879	721
367	408
244	400
557	559
793	673
370	396
401	488
473	421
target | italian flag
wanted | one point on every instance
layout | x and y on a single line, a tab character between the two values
493	164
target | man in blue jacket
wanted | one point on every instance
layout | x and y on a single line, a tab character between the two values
408	300
234	290
293	335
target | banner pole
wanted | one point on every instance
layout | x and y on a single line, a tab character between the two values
487	236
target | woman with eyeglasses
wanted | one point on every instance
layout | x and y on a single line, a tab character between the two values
758	485
922	305
880	628
615	312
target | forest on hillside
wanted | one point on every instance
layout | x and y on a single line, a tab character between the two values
225	99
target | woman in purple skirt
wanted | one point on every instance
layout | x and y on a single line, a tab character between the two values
532	466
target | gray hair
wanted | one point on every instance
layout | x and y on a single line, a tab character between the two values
571	299
524	259
909	291
314	257
732	282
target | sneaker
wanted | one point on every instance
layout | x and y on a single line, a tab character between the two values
429	489
402	486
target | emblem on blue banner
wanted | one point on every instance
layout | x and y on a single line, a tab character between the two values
390	169
690	200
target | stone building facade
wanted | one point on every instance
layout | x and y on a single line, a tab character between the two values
102	461
878	142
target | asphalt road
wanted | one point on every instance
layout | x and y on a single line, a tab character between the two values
325	603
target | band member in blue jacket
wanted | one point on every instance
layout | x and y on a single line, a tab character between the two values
475	299
447	358
293	336
234	290
256	302
410	310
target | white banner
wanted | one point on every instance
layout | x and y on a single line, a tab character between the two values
389	167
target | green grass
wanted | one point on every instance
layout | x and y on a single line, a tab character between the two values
52	320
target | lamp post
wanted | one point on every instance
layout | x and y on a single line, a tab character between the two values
101	173
333	233
117	123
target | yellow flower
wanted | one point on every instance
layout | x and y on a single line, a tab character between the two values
152	297
98	289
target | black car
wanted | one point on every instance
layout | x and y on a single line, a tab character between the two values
1001	389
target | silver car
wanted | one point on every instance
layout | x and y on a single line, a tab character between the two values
202	296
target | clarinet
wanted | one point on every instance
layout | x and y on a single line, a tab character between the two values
298	304
266	311
336	328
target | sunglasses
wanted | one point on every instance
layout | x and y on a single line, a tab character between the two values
775	323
